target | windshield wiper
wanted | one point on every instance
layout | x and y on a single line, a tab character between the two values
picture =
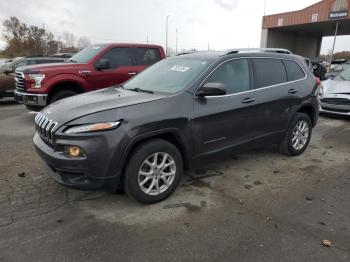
136	89
71	61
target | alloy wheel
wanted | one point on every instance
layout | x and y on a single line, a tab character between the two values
300	135
157	173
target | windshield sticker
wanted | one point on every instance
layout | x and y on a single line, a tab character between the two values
96	47
182	69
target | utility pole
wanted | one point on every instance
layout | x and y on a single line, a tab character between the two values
335	38
147	40
176	41
265	7
208	46
166	34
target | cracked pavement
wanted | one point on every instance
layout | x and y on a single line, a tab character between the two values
254	206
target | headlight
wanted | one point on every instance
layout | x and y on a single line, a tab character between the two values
92	127
37	78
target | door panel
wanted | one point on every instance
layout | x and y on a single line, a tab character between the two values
122	68
7	82
275	97
220	122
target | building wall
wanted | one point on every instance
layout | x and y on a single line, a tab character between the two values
308	46
315	13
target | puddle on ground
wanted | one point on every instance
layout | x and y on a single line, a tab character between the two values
190	198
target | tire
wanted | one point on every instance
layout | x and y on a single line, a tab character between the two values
290	146
139	170
62	94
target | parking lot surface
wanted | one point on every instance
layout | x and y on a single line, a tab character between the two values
256	206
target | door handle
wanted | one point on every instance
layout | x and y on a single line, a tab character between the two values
292	91
132	73
248	100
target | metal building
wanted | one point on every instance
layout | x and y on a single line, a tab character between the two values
301	31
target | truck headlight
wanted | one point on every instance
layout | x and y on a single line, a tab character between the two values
92	127
37	78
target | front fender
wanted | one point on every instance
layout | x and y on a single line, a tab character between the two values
62	78
185	147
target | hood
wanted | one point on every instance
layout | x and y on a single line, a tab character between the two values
51	67
77	106
336	87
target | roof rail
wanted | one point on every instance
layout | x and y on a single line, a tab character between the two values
186	53
264	50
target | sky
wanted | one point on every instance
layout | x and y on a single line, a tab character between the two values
222	24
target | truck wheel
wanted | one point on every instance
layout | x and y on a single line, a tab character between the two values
62	94
298	135
153	171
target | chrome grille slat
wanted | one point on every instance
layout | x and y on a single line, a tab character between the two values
45	126
19	81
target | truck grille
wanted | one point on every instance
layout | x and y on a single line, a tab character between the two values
19	79
45	127
336	101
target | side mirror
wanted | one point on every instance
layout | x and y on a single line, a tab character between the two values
103	64
212	89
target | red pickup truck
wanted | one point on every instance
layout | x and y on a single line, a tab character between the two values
95	67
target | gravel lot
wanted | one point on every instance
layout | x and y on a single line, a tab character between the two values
256	206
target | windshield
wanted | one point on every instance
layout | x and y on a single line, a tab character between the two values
343	76
86	54
168	76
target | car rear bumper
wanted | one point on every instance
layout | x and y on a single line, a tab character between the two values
39	100
343	110
77	173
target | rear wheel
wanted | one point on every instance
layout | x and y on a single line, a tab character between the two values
153	171
62	94
298	135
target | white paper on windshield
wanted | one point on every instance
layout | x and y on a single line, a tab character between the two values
180	68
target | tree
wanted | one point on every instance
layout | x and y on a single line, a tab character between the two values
24	40
36	41
14	35
83	42
68	39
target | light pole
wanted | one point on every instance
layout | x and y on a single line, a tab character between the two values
166	34
334	40
176	41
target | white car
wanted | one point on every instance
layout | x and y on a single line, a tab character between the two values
335	94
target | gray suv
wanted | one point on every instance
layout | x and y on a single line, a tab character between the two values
142	134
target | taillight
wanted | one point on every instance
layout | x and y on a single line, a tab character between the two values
318	81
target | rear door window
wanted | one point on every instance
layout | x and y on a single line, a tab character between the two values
294	72
269	72
118	56
146	56
233	74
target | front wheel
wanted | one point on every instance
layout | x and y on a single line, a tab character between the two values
62	94
298	135
153	171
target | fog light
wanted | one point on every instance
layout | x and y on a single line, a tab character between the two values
74	151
